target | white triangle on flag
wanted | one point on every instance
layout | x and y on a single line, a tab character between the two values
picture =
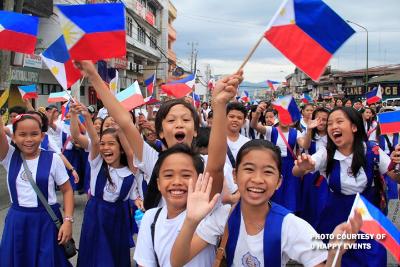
57	69
284	15
1	28
72	32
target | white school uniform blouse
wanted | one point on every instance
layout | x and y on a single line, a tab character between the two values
110	192
166	231
26	195
228	168
279	141
349	184
297	240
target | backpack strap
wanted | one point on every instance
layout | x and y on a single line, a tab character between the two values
231	157
153	231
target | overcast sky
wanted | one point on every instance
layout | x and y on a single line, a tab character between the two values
226	30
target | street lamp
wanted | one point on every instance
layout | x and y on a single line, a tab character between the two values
366	70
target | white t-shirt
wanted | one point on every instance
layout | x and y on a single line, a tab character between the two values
110	192
349	184
166	231
297	239
372	130
279	141
26	195
103	113
228	168
53	145
56	134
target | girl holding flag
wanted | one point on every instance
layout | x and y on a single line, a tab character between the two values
352	165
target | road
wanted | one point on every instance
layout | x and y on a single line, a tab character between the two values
80	201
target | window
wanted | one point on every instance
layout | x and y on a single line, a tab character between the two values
82	90
153	41
141	35
129	26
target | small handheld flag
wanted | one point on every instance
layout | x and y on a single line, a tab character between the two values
59	97
18	32
308	33
374	96
389	122
114	84
150	84
273	85
306	98
94	31
287	109
57	59
375	223
244	97
196	100
28	91
131	97
179	88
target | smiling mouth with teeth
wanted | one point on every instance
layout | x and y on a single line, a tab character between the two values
177	192
255	190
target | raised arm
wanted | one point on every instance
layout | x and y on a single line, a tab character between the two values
305	141
3	141
115	109
303	165
254	120
76	134
223	92
28	105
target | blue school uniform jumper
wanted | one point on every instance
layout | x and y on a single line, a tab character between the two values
392	192
74	157
106	236
314	193
338	209
289	194
30	235
272	235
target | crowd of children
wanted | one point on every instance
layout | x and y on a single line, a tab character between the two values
198	174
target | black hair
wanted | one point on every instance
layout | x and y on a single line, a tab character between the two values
358	144
45	120
23	118
259	144
236	106
203	137
102	124
210	114
17	109
303	107
370	120
164	110
123	159
98	118
316	111
153	195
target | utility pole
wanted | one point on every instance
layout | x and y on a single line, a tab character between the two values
192	54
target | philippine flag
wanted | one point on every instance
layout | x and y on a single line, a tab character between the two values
131	97
375	223
59	97
375	95
179	88
196	100
28	91
18	32
94	31
57	59
114	84
306	98
308	33
389	122
273	85
287	109
150	84
244	96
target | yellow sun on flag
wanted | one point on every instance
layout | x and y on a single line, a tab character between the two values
292	21
72	33
55	70
113	86
362	211
284	103
283	12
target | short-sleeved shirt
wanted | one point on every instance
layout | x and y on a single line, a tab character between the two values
228	168
279	141
26	195
165	234
297	240
111	191
349	184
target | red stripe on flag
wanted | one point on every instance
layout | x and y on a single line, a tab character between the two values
373	227
30	95
283	115
18	42
132	102
373	100
177	90
56	99
100	45
388	128
72	74
299	48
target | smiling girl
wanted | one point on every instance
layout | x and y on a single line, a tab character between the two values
30	237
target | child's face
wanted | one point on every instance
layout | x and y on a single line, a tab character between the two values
367	114
235	121
97	125
173	179
270	118
110	150
257	177
307	112
340	129
178	126
108	123
28	136
324	117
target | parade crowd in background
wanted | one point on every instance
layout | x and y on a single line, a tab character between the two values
197	173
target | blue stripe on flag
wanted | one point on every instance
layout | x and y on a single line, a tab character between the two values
57	51
19	22
389	117
184	80
322	24
92	18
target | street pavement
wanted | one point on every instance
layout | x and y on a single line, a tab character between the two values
80	201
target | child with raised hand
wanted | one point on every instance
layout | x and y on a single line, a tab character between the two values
30	237
260	232
176	122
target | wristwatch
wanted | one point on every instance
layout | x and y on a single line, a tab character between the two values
69	218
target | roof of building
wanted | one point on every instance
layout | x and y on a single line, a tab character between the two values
386	78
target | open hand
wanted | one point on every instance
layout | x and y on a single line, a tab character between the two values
198	201
314	123
86	67
305	163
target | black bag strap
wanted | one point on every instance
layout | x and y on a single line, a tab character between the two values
153	230
40	194
390	146
231	157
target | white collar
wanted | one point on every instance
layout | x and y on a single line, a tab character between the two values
121	172
339	156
